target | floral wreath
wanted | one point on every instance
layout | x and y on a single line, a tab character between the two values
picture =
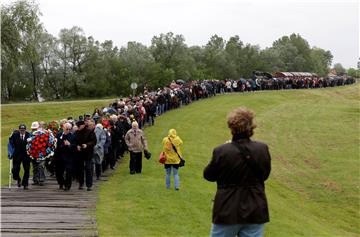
41	145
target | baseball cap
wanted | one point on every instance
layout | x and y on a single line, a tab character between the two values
22	126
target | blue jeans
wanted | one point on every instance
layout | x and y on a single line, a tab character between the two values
176	177
240	230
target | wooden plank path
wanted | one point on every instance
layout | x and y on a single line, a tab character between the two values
48	211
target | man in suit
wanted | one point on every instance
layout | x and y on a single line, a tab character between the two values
18	139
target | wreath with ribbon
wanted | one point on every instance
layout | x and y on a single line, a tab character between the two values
41	145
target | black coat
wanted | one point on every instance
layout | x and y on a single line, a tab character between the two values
240	196
19	145
88	137
62	151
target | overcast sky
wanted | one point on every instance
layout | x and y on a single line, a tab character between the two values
329	24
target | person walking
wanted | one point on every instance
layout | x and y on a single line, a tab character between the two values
172	148
18	141
98	155
38	164
136	142
65	157
85	140
239	168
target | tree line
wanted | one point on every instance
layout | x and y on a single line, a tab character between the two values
72	65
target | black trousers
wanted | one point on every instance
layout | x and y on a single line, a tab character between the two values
87	166
135	162
64	165
16	169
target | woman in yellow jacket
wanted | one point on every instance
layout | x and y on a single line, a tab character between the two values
172	158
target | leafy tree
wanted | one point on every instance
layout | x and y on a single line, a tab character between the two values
353	72
215	58
20	28
170	51
73	46
321	61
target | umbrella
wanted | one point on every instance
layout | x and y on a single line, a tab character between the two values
179	81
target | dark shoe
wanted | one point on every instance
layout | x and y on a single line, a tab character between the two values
26	188
81	187
132	172
19	182
89	189
41	183
176	189
61	187
66	189
97	178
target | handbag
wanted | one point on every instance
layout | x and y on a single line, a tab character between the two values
162	158
182	161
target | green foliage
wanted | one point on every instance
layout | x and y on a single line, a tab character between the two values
354	72
36	64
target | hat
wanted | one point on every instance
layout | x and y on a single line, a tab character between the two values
22	126
35	125
80	122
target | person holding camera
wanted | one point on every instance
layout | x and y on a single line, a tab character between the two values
239	168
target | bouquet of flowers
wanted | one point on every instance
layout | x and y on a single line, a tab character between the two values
54	127
41	145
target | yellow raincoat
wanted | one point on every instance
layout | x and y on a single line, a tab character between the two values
171	156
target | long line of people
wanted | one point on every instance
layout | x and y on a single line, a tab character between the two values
95	142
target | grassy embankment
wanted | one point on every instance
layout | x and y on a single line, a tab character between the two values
313	189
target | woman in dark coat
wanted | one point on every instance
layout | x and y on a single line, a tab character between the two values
240	168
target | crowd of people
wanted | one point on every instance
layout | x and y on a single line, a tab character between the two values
95	142
92	143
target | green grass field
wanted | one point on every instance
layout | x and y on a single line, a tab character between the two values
313	189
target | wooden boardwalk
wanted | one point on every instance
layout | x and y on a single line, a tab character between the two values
48	211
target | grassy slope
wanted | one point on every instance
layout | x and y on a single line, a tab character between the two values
313	189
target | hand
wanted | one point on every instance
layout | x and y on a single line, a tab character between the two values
83	146
66	143
78	148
